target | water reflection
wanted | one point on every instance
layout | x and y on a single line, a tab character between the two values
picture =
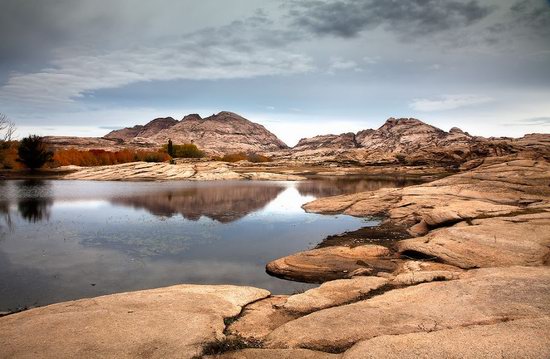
223	204
31	207
74	239
334	186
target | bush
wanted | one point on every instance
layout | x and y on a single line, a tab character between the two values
187	150
90	158
401	158
241	156
33	153
8	155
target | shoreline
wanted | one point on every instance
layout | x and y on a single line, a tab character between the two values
437	243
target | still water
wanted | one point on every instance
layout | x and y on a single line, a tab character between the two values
62	240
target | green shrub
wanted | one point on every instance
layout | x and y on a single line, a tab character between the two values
187	150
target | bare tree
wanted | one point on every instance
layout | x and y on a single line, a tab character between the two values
7	128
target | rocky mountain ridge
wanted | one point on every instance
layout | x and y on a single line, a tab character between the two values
410	141
403	141
225	132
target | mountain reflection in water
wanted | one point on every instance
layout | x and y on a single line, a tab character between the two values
63	240
219	203
335	186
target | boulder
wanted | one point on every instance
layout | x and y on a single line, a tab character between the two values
329	263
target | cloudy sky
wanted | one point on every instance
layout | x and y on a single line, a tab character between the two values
299	67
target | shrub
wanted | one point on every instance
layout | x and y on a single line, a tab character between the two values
33	153
401	158
234	157
8	155
256	158
241	156
187	150
90	158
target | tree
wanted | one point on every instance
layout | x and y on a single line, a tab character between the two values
7	129
170	148
33	153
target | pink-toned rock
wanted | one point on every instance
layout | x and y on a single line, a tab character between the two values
479	297
260	318
159	323
333	293
323	264
522	338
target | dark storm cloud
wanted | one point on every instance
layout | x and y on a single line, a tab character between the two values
531	15
347	18
31	29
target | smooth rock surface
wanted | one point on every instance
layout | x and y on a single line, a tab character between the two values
275	354
261	318
167	322
514	339
329	263
191	171
479	297
503	241
333	293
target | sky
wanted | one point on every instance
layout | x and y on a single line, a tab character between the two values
299	67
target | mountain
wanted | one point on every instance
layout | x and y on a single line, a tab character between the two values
404	140
150	129
225	132
343	141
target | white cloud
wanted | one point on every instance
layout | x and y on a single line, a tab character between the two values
448	102
371	60
72	76
338	63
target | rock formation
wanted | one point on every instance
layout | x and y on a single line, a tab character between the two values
225	132
343	141
145	131
400	142
192	171
408	141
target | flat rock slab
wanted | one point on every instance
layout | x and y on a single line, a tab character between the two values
527	338
167	322
333	293
479	297
329	263
196	171
504	241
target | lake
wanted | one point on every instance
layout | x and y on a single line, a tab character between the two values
63	240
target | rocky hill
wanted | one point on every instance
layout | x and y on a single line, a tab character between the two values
406	141
225	132
343	141
148	130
